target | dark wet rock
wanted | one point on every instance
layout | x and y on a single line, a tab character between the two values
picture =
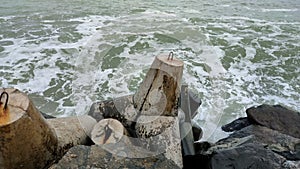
201	147
47	116
290	155
276	117
200	161
76	157
236	124
253	147
95	111
250	156
197	133
266	139
114	108
264	135
96	157
117	108
272	139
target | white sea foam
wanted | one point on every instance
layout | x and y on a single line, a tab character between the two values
226	91
279	10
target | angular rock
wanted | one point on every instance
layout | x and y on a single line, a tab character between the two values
290	155
250	156
120	108
201	147
76	157
291	165
283	144
96	157
160	134
276	117
236	124
254	146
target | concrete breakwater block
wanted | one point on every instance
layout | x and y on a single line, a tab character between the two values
71	131
160	134
27	140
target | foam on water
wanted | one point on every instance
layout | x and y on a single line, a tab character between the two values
279	10
39	64
117	80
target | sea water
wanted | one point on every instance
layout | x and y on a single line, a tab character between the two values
67	54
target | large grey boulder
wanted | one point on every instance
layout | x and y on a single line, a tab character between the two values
276	117
250	156
84	157
236	125
282	144
267	138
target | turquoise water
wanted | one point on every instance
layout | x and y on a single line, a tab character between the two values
68	54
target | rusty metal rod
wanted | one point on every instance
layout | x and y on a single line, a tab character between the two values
171	54
6	102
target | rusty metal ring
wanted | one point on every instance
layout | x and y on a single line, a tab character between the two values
171	54
6	102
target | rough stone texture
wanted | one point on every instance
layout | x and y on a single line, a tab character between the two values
250	156
236	124
120	108
290	155
159	92
277	118
263	141
149	126
160	134
26	139
84	157
71	131
255	146
283	144
202	147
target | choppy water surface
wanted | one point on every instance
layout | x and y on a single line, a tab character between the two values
68	54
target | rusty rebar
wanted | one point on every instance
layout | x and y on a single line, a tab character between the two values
6	102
